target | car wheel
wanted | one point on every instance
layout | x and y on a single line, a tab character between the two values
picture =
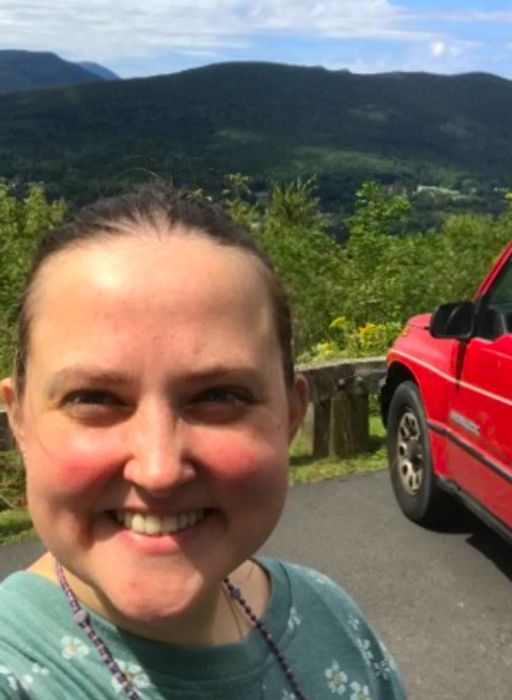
410	459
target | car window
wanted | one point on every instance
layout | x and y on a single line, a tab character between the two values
501	290
495	311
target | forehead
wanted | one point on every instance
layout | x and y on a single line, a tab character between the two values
184	261
158	282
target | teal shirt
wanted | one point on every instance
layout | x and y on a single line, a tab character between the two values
324	636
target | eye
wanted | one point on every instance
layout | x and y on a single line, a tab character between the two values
91	404
223	395
220	404
91	397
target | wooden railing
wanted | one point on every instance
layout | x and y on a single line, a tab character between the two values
339	393
339	419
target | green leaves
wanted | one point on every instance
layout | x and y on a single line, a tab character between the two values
379	278
293	231
22	219
348	298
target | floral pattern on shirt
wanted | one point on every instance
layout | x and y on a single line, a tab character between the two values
294	620
135	675
382	669
387	657
354	622
336	679
364	646
359	692
24	681
11	678
29	679
287	695
73	648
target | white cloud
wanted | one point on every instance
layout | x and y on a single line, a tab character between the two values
131	33
495	16
105	29
350	18
437	48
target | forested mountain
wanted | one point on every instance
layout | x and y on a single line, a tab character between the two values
265	120
26	70
96	69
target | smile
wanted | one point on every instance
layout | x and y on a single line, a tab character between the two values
147	524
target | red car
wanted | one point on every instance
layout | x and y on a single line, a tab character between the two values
447	405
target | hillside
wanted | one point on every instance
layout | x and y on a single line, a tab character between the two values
266	120
98	70
26	70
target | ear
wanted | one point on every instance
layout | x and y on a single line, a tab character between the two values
8	393
298	397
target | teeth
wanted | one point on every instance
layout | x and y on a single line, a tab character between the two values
155	525
152	525
138	523
170	523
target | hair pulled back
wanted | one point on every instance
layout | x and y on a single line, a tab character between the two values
161	208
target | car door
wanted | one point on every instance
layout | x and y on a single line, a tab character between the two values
480	411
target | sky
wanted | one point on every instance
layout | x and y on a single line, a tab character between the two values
135	38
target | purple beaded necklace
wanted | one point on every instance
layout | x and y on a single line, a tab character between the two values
82	619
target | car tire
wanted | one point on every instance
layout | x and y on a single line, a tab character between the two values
410	459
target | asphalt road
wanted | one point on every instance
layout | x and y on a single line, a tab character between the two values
441	601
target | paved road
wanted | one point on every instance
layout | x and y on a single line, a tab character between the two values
441	601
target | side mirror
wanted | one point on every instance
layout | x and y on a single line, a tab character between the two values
456	321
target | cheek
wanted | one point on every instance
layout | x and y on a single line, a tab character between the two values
71	466
248	466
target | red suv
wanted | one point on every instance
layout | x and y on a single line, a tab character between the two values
447	405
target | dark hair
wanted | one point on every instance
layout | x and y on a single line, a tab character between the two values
162	207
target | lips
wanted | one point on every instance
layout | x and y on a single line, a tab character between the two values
154	525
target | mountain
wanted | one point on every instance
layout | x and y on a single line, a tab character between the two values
26	70
98	70
266	120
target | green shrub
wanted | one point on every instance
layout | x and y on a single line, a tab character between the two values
349	341
12	481
14	521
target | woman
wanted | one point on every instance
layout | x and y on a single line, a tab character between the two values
154	399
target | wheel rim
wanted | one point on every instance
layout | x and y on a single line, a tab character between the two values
410	456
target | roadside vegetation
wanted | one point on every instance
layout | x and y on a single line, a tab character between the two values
349	300
15	523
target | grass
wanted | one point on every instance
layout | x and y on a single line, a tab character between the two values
304	469
16	526
15	523
12	481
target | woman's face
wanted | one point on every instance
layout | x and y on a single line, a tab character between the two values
154	396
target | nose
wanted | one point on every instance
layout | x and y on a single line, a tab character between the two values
157	459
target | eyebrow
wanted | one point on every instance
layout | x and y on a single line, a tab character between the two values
87	375
112	378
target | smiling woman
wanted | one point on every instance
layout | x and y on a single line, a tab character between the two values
154	400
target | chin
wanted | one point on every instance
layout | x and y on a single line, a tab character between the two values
149	599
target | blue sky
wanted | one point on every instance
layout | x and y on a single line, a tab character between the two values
365	36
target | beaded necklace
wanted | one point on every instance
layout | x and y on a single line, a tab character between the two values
82	619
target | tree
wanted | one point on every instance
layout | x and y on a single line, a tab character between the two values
237	196
375	257
22	219
293	232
